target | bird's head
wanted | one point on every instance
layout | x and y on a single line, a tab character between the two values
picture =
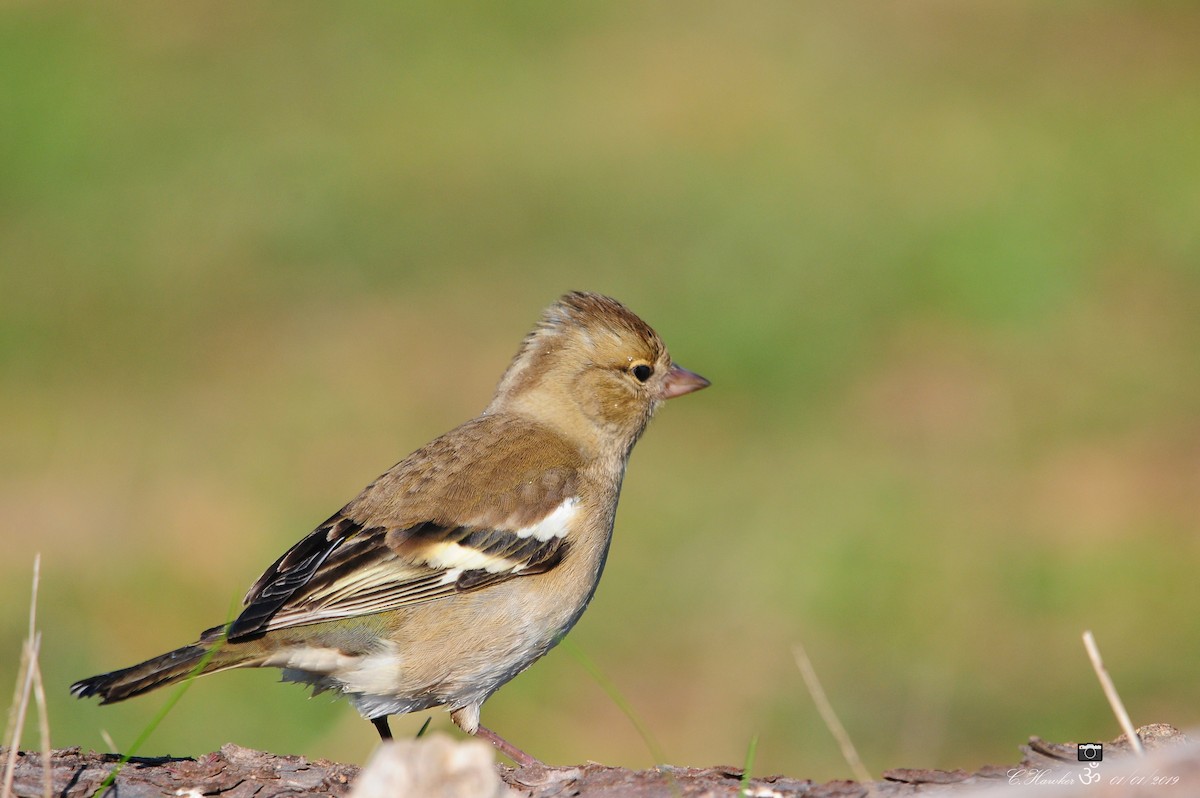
593	369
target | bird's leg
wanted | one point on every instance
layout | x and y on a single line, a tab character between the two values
505	747
381	726
467	719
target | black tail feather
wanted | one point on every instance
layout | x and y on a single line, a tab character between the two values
161	670
141	678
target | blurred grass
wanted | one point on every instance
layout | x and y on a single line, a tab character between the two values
940	263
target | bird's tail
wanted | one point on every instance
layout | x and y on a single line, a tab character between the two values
207	655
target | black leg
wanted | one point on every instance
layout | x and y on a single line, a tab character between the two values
381	726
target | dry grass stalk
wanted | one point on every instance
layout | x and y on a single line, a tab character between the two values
29	684
1110	692
849	753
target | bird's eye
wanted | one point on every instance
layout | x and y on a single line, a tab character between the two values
642	372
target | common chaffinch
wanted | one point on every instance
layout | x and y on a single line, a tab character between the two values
471	558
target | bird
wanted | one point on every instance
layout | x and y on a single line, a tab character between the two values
471	558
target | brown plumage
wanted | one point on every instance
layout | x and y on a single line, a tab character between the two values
468	560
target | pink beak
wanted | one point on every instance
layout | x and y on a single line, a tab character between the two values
680	381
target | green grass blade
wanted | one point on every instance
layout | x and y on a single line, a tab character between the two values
162	713
751	750
614	694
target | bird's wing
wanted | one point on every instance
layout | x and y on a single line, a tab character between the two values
351	566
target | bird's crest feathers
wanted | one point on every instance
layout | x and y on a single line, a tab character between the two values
578	331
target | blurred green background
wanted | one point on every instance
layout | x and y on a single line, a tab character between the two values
940	261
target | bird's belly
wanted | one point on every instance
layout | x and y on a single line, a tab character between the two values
493	638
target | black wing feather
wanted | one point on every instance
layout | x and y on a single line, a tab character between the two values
314	580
